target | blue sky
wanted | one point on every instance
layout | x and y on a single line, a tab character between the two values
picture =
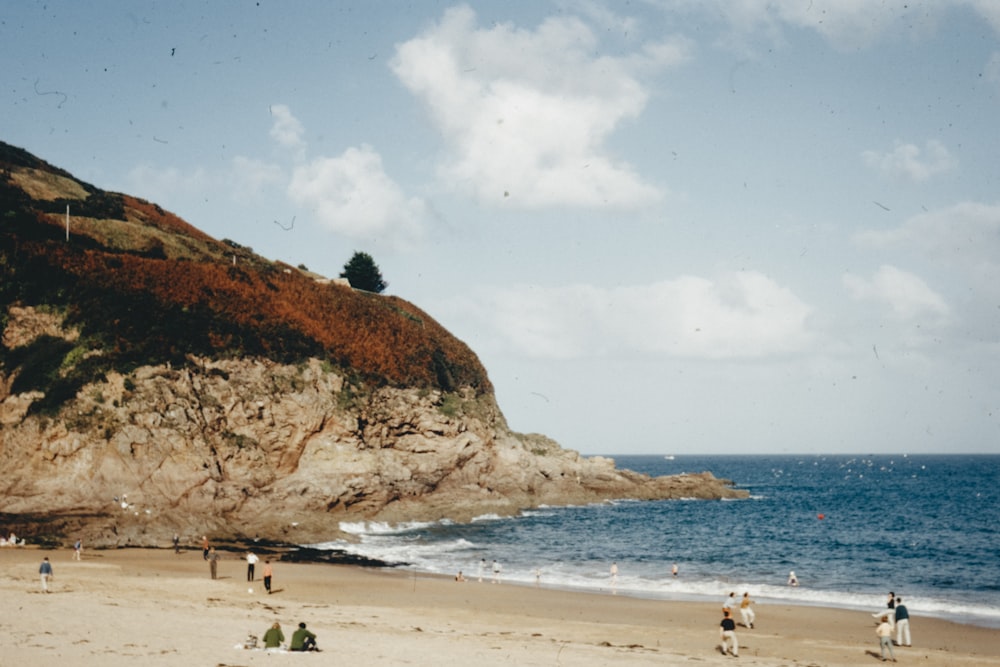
665	226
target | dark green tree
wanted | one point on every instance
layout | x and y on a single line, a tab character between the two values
363	273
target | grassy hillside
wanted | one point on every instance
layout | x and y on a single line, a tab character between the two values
143	286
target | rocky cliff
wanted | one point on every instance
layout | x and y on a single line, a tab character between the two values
154	380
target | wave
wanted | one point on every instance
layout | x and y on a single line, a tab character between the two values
448	557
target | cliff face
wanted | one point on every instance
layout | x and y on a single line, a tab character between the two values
250	447
154	380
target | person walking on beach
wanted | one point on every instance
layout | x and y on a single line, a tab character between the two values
614	577
267	576
177	543
747	612
45	572
727	635
884	633
274	636
902	623
251	564
496	572
482	568
213	563
204	547
77	549
303	640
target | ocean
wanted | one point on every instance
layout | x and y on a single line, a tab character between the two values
852	528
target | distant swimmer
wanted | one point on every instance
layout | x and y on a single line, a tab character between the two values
673	570
792	579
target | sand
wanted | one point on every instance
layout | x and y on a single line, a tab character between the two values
151	607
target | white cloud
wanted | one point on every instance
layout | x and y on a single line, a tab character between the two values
737	316
965	236
906	294
527	113
286	129
845	24
908	161
352	195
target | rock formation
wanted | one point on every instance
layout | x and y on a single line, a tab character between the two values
154	380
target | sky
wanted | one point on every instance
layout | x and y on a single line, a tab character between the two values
664	226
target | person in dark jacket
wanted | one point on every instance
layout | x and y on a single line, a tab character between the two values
902	624
727	633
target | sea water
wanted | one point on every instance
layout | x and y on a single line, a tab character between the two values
852	528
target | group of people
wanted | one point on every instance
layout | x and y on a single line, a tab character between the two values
496	569
11	541
251	558
896	618
302	639
728	641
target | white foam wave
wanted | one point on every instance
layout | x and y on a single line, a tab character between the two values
384	528
460	554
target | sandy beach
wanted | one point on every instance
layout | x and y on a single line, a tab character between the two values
154	607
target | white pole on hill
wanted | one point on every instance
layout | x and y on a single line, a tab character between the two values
67	223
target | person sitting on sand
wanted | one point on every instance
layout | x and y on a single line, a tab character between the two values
459	576
884	633
274	636
727	634
303	640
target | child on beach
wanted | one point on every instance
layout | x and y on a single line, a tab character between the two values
884	633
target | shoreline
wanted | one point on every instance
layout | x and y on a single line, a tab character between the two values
118	605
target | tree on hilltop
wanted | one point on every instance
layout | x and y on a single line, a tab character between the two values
362	272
